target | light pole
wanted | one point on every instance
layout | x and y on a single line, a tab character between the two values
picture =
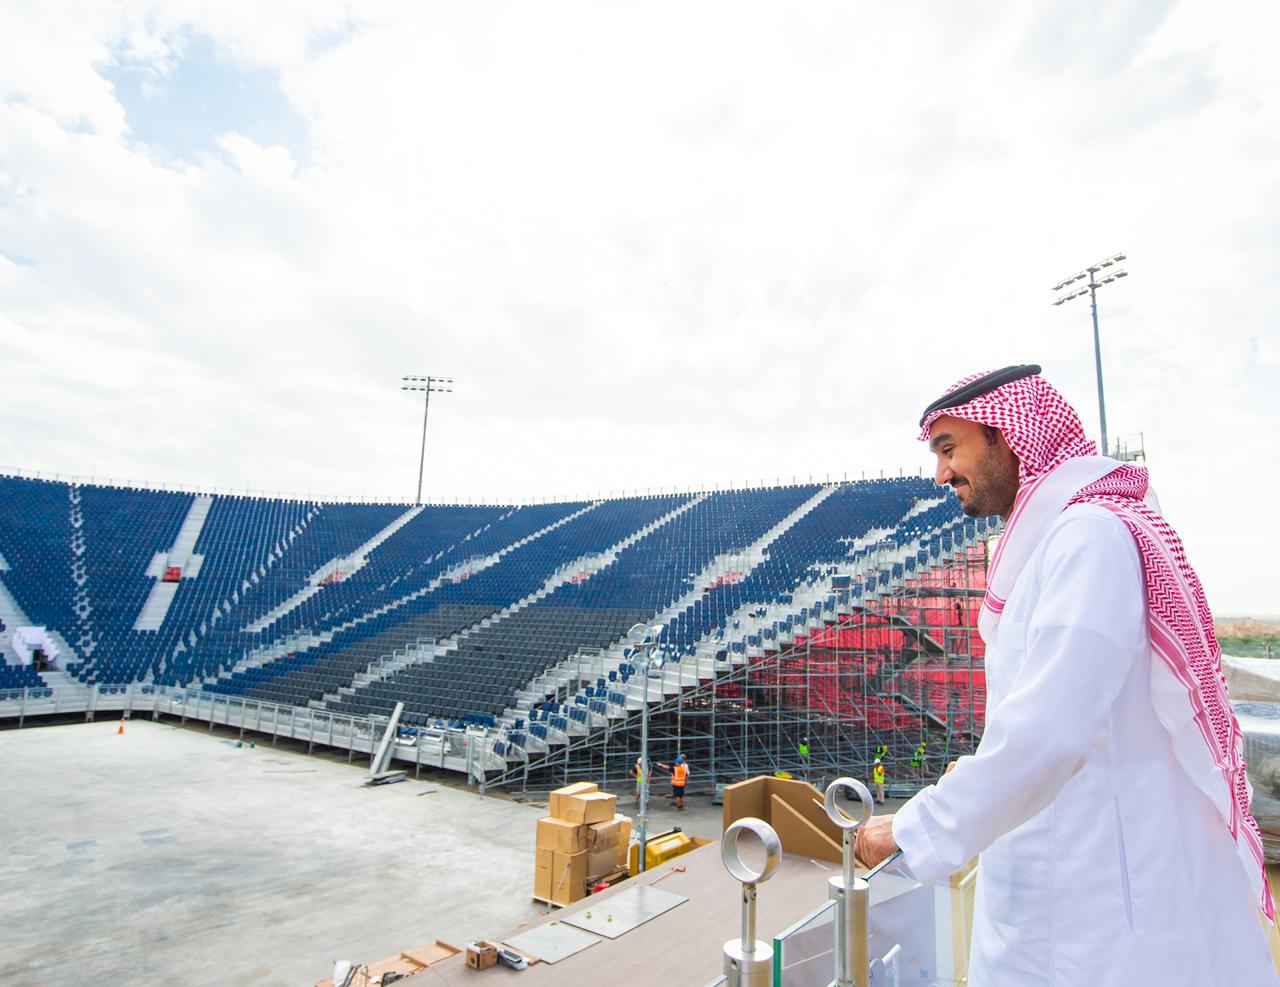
428	386
648	640
1091	290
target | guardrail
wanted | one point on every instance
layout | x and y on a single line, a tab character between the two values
463	751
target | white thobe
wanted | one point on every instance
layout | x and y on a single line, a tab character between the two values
1101	863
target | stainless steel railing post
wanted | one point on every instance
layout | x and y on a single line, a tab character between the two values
852	894
747	961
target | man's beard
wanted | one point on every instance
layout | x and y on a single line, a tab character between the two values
993	485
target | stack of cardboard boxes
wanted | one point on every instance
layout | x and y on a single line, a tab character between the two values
582	840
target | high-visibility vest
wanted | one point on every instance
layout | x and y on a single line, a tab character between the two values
804	749
877	774
639	773
679	774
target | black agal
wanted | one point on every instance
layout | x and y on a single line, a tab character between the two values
983	385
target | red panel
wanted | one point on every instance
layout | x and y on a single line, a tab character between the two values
835	669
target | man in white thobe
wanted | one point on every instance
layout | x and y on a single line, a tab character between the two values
1104	808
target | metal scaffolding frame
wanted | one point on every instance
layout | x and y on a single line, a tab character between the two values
901	666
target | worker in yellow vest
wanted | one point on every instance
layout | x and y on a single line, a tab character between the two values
877	780
679	778
918	762
639	774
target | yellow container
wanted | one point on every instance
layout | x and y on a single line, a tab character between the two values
661	848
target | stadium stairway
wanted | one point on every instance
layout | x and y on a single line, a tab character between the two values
384	668
539	689
305	641
67	689
752	619
347	564
12	616
744	561
576	719
86	640
180	556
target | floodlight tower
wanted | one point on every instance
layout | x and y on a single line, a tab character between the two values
1091	290
428	386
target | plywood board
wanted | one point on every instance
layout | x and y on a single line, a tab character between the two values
433	953
800	836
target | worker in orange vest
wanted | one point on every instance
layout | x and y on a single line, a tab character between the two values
679	778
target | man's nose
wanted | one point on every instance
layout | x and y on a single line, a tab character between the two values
944	475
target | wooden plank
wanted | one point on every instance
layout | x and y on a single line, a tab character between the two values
433	953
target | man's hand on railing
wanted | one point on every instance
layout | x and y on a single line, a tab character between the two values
875	840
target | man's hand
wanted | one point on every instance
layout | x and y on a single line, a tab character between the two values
875	840
949	767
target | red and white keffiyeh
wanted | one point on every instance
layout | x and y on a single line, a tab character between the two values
1058	466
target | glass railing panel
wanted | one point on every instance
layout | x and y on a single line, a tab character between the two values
930	924
803	953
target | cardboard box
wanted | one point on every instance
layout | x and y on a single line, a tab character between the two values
624	839
562	795
604	835
568	877
542	874
557	834
602	862
590	807
482	954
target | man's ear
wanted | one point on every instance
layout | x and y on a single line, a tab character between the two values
1003	445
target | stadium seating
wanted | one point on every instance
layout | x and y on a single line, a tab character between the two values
292	602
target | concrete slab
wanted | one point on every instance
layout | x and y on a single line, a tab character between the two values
169	855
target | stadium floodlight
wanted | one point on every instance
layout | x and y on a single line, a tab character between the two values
1091	290
428	386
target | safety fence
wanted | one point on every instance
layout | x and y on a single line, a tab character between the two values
450	750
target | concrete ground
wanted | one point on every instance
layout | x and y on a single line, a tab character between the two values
168	855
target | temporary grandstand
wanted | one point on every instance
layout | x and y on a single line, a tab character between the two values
838	614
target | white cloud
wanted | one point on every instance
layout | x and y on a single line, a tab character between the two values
661	245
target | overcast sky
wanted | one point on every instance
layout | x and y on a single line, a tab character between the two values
656	244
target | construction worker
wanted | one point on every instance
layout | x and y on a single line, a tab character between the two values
802	749
638	771
877	780
918	759
679	778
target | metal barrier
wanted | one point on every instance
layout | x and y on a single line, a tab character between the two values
467	751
